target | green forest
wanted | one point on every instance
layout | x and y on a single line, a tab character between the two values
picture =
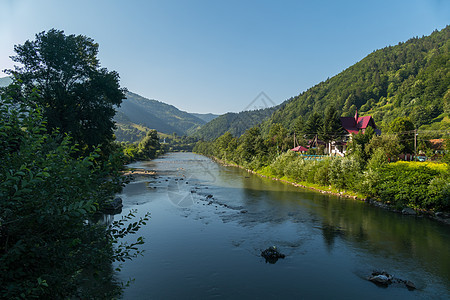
235	123
411	79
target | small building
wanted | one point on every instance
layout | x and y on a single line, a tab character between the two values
353	125
356	124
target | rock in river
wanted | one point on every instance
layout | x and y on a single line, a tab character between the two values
271	254
113	207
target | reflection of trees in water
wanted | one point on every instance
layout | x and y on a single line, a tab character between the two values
382	232
373	229
100	280
103	219
329	234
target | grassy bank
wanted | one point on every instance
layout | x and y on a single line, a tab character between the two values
421	186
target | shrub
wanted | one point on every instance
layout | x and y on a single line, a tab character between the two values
48	199
322	174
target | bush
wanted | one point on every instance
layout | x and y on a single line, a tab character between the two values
48	241
416	186
322	174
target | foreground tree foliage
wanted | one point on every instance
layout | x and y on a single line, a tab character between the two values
59	168
75	94
49	242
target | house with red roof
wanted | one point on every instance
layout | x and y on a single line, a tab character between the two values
356	124
353	125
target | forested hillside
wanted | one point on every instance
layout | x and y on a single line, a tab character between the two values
157	115
235	123
410	79
127	131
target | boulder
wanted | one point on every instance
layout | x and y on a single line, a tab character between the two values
381	278
114	206
272	255
384	279
411	286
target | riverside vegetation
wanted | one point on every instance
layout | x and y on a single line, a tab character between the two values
59	167
365	171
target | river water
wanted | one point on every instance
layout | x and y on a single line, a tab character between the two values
209	224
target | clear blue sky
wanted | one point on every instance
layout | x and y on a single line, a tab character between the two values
217	56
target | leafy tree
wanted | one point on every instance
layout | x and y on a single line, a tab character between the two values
251	146
278	139
389	144
357	146
404	128
75	93
149	145
299	126
221	145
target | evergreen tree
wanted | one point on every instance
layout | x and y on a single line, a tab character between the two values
313	125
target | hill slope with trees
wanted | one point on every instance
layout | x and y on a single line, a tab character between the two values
157	115
410	79
235	123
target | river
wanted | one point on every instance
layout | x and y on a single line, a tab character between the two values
209	224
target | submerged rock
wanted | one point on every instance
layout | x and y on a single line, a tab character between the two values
381	279
411	286
272	255
384	279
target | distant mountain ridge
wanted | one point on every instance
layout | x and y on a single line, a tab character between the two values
157	115
205	117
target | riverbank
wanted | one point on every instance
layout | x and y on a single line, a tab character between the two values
437	216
